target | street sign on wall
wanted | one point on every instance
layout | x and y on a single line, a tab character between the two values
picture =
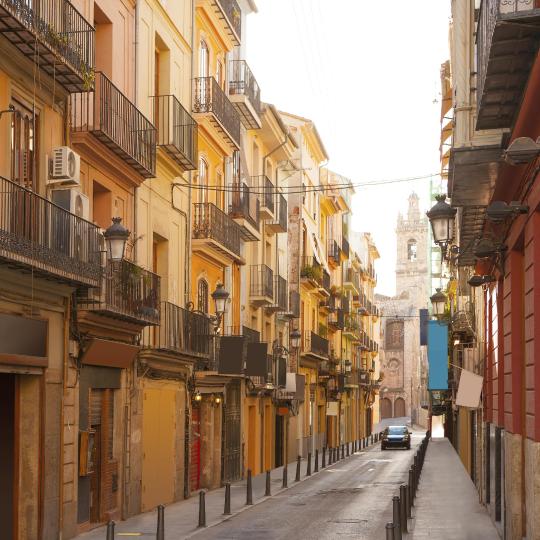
437	355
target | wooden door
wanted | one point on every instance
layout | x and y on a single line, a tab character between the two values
386	408
8	463
159	428
252	439
195	468
399	408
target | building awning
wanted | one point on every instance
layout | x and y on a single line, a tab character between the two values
102	352
318	252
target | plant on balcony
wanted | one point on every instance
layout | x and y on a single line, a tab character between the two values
337	291
311	272
323	331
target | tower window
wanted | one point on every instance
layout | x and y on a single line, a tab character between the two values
411	250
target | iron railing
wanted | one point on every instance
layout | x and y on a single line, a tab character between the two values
337	319
209	222
345	304
334	251
325	283
181	331
265	188
128	291
311	269
261	281
57	34
245	204
280	294
38	234
176	131
242	81
315	344
232	12
282	217
345	248
113	119
208	97
353	324
352	277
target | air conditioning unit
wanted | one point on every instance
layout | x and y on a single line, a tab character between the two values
72	200
64	166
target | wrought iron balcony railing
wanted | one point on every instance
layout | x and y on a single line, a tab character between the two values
281	293
212	224
353	324
279	223
345	304
508	38
265	189
209	98
180	331
127	292
311	270
114	120
334	252
261	282
315	344
345	248
352	279
55	33
245	93
245	205
231	16
176	131
39	235
325	283
337	319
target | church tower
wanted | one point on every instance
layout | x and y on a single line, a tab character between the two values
412	270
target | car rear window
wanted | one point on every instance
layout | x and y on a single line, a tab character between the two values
397	430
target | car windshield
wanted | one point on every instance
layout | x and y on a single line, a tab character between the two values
397	430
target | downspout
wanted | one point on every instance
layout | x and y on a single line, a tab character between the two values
136	100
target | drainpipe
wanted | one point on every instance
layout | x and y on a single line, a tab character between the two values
136	100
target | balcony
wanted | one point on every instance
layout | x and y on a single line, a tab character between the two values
261	289
345	248
56	34
245	94
507	44
281	293
324	287
334	253
351	281
265	189
181	332
116	122
311	272
337	319
279	223
353	326
128	292
40	237
211	105
315	345
176	131
294	305
245	211
215	231
226	17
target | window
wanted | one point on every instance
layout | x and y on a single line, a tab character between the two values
219	74
203	180
411	250
204	59
24	146
202	296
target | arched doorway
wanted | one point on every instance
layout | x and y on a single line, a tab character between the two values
399	407
386	408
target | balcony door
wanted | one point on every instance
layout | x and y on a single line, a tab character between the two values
204	72
203	181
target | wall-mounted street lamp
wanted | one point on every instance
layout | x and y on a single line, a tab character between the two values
220	297
499	211
294	339
438	300
522	150
442	219
116	237
477	281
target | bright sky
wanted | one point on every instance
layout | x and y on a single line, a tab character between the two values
367	73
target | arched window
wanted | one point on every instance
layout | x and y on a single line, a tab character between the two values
202	295
411	250
204	59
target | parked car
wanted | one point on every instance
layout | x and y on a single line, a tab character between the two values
396	436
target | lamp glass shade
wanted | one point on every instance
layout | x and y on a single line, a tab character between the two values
438	300
295	338
116	237
441	216
220	297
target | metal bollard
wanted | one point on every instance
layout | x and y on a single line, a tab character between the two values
110	530
202	510
348	450
227	506
413	481
411	487
316	469
395	517
308	472
323	464
408	501
389	531
342	451
299	459
403	508
268	490
160	532
249	494
285	482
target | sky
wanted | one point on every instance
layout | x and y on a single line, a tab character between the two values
368	74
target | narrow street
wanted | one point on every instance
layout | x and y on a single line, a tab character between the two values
349	499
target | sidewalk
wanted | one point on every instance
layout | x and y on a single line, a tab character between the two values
446	505
181	518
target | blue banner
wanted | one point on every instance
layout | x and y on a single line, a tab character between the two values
437	341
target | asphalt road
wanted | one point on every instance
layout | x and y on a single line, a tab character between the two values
351	499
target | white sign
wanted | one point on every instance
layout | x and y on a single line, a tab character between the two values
469	390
